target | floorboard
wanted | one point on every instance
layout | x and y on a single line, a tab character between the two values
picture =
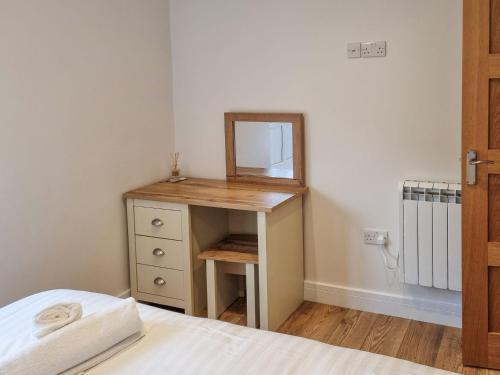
320	323
421	343
349	333
451	344
386	335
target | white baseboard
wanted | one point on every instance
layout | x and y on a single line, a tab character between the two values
124	294
424	310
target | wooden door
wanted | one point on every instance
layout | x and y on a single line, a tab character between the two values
481	201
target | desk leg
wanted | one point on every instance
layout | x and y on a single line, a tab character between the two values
211	289
251	274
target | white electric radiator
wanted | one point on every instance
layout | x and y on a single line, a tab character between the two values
431	234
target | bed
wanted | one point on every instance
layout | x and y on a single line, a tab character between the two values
179	344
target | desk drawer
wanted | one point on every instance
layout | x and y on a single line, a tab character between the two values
158	222
160	281
159	252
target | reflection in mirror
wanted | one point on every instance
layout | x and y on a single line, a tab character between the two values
264	149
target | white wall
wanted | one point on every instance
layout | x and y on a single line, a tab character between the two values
369	122
85	115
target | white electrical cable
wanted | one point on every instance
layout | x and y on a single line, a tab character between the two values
386	254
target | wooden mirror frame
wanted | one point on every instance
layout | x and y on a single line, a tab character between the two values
297	121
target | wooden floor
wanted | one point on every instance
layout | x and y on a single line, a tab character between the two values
428	344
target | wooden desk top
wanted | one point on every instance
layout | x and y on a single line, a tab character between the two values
219	193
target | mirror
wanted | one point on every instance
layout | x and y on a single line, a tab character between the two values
264	147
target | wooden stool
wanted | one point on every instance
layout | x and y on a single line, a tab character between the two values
236	255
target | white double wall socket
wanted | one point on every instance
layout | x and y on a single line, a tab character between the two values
375	236
373	49
366	49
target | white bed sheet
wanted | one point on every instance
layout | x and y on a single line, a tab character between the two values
179	344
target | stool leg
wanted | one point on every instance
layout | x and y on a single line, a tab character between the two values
251	273
211	289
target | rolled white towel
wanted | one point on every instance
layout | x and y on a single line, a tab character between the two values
80	345
57	316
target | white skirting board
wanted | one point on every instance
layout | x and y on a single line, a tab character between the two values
444	313
381	303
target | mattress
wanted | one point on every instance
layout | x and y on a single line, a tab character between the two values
179	344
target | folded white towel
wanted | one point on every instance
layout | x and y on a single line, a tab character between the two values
94	361
73	345
57	316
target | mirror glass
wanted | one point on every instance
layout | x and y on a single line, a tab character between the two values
264	149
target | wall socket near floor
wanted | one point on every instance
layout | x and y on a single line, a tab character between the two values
366	49
375	236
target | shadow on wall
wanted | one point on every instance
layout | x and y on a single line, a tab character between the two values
321	212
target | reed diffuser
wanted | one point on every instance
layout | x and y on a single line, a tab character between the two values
175	171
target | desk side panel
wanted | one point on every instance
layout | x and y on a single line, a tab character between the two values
281	263
131	247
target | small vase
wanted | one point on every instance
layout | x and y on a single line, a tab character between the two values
175	172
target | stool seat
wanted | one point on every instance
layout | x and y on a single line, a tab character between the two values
230	256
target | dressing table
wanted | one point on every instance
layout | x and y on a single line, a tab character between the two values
171	224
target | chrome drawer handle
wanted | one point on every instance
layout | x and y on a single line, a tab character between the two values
158	252
159	281
157	222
